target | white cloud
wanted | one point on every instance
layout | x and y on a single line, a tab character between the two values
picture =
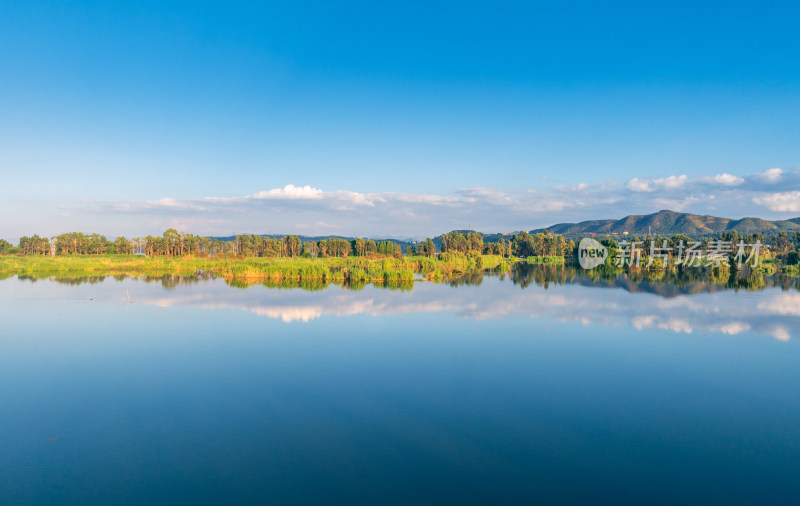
580	187
320	225
783	304
482	208
422	198
780	333
714	312
787	202
167	202
734	328
726	179
685	303
662	183
289	191
772	175
643	322
679	204
639	185
543	206
350	200
170	203
671	182
290	314
676	325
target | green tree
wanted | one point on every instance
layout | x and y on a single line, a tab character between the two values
311	247
359	247
122	246
6	248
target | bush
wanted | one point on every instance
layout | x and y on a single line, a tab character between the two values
357	274
475	260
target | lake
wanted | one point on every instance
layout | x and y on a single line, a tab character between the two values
532	386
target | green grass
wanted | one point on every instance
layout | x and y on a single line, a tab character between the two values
545	260
247	271
791	270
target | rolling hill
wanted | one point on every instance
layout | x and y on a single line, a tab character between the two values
671	223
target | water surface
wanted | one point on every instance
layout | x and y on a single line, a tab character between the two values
493	389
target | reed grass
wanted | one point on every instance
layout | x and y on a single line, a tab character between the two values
246	271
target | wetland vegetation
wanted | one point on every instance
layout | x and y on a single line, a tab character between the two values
454	257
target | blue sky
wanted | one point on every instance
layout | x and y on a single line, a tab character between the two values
399	119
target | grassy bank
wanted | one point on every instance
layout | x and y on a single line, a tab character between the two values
246	271
545	260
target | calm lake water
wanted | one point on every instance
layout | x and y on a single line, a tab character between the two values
495	390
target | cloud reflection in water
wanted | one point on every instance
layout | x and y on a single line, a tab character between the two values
767	312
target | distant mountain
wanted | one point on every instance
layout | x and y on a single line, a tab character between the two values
666	223
671	223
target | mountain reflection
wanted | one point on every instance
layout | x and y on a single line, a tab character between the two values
674	283
752	304
664	283
768	312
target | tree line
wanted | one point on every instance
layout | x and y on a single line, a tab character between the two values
542	244
175	243
522	244
784	246
292	246
171	243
